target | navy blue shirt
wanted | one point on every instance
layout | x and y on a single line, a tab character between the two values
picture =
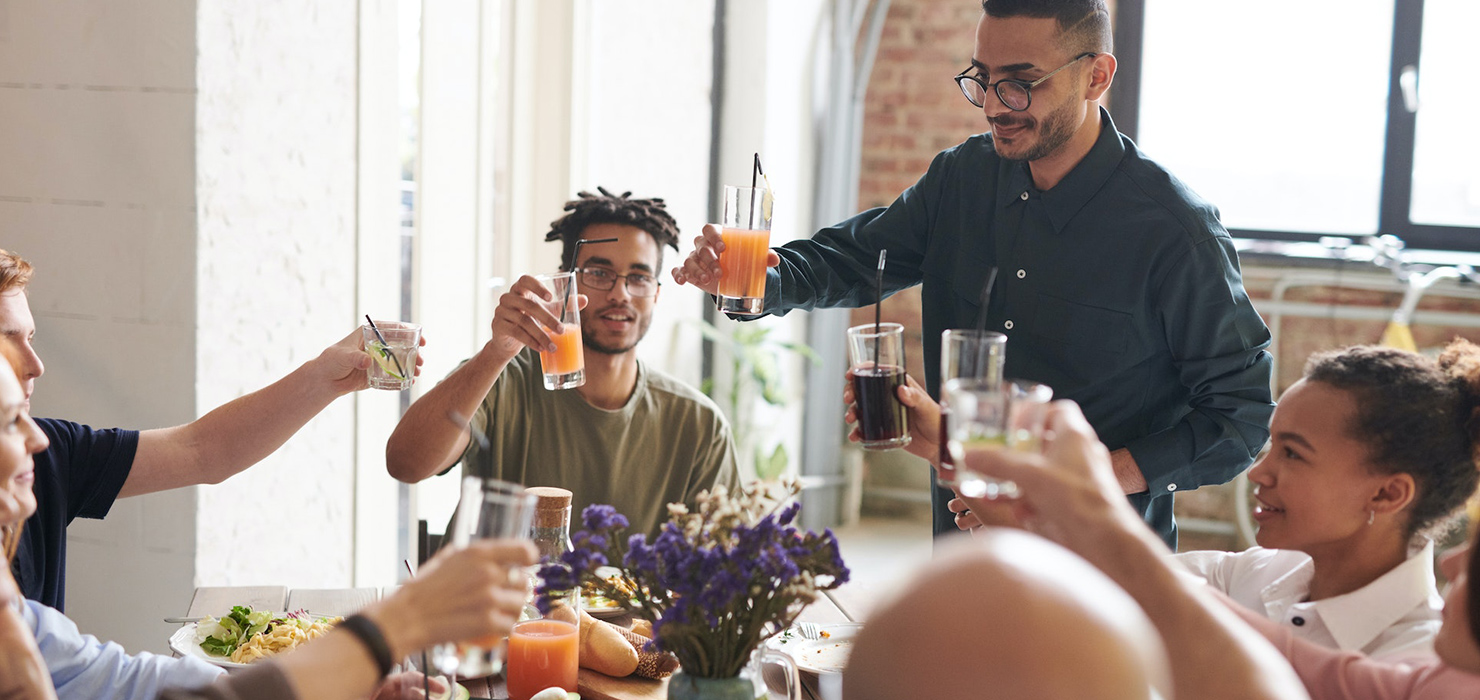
1118	287
78	476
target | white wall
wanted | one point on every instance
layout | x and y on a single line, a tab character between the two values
98	192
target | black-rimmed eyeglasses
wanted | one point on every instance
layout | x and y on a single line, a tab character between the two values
604	280
1017	95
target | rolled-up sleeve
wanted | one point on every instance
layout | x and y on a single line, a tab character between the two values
1218	345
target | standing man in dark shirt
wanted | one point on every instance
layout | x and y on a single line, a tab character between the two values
85	469
1118	286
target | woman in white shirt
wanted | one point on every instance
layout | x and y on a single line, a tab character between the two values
1371	454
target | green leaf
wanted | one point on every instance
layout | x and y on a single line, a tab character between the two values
773	466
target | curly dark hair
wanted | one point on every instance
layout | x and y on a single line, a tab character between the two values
650	215
1084	25
1418	417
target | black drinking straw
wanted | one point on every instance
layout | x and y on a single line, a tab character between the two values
878	306
981	321
574	256
756	171
399	369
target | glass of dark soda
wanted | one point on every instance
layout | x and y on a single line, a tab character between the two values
876	361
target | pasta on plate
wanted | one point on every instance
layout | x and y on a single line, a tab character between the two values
281	636
244	635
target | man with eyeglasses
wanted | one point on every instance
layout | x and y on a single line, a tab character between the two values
1118	285
631	436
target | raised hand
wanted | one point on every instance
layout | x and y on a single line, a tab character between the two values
701	267
523	319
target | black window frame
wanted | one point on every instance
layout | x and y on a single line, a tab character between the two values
1397	166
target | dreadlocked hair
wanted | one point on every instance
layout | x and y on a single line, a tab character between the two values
650	215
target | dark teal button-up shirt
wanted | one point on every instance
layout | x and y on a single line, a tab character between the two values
1118	287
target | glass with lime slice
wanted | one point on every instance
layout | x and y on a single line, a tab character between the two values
393	346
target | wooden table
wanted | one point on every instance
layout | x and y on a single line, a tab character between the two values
217	600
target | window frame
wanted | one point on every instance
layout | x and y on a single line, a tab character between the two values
1398	151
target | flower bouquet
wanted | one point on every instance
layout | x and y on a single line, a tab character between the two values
714	583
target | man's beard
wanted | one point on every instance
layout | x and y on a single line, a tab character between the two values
1053	130
588	335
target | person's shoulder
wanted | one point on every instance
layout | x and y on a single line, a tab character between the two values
1195	218
63	433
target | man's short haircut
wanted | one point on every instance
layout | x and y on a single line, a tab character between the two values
650	215
15	272
1084	25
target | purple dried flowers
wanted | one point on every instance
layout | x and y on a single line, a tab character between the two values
715	582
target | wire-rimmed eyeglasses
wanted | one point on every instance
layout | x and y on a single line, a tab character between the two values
604	280
1017	95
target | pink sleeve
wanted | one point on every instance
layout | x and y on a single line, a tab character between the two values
1329	674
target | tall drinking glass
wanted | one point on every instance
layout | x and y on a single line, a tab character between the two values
1027	412
876	359
565	366
747	236
964	354
988	414
495	509
393	345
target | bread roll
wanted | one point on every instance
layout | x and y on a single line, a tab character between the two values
604	650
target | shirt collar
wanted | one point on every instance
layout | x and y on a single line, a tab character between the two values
1065	199
1355	619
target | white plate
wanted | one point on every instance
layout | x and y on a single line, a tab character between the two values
826	655
596	611
184	643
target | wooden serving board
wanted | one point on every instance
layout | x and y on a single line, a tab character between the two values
599	686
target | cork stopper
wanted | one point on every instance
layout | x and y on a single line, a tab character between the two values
552	506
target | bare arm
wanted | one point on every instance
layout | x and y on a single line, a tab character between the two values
427	441
1071	495
1127	472
241	432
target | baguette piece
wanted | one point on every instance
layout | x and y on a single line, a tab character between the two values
603	649
650	664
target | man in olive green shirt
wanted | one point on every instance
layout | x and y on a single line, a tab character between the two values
631	436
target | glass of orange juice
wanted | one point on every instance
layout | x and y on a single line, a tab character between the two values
487	509
747	236
542	654
565	367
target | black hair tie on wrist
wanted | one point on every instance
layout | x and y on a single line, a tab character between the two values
369	634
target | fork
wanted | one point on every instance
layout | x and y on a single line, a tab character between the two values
808	630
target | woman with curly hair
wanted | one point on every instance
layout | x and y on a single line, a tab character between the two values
1372	455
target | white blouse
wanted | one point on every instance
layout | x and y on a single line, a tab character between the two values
1394	618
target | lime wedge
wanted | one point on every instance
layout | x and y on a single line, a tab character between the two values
382	356
767	199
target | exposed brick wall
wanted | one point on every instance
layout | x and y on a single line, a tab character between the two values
913	110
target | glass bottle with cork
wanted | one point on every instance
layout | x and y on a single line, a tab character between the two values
543	652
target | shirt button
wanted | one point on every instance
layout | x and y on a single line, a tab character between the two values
1007	325
1171	487
1298	621
1022	274
1023	196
